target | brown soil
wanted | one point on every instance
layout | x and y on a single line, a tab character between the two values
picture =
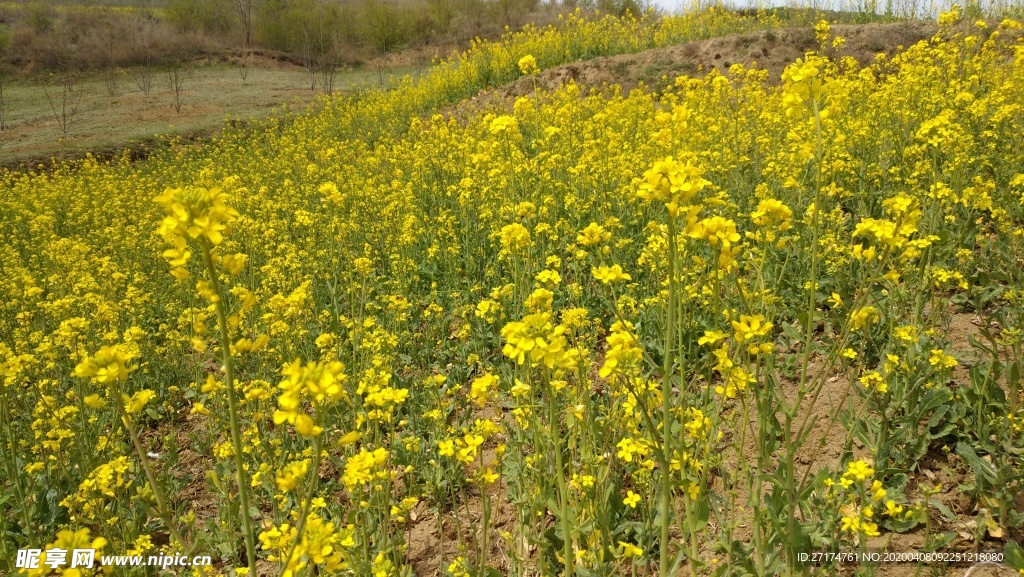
771	50
191	468
429	544
826	441
461	529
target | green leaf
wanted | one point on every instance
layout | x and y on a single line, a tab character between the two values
815	482
554	509
678	561
1013	555
153	414
703	514
940	541
898	481
937	416
933	399
585	528
982	469
902	525
791	332
942	509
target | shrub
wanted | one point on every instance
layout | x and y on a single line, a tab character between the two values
206	15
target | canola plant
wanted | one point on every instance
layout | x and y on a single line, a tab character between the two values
586	333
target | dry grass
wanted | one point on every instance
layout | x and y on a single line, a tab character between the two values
105	125
48	39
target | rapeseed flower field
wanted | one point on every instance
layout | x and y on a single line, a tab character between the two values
704	330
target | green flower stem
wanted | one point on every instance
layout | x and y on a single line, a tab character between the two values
752	481
789	412
666	398
486	520
161	503
300	526
12	464
229	383
560	475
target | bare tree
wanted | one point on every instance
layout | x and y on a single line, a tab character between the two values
3	100
309	56
385	26
5	43
65	107
329	63
474	12
143	75
444	14
321	45
384	29
111	79
244	13
381	67
110	51
144	45
180	70
330	57
243	68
